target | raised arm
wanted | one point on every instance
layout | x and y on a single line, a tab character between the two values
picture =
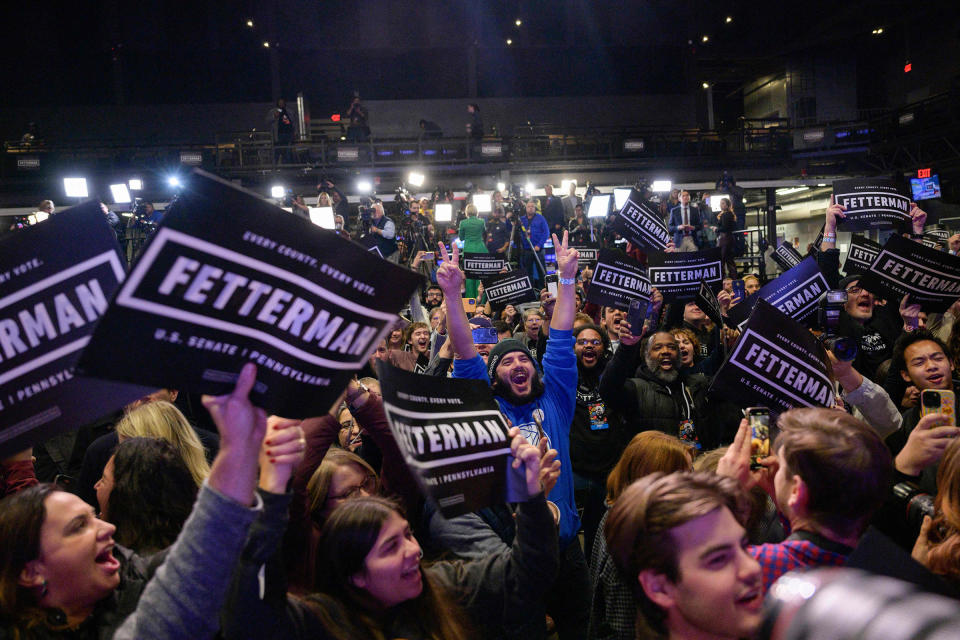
565	309
450	278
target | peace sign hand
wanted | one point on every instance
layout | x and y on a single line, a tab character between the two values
449	276
567	258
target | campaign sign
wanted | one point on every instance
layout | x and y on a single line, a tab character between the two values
56	279
786	256
931	277
871	203
641	224
777	363
617	279
481	265
588	253
707	301
229	279
861	254
512	287
796	293
452	436
677	275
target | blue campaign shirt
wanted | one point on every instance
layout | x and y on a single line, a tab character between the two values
556	407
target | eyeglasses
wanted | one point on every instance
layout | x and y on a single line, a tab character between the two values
583	342
368	485
854	290
346	424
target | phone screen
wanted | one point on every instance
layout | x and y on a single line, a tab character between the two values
759	420
739	289
552	282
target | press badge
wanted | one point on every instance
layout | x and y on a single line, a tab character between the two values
598	416
687	434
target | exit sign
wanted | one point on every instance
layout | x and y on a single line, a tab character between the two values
923	173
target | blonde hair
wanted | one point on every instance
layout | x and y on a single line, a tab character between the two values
471	210
163	420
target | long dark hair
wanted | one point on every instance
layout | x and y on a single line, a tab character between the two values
345	610
153	494
21	517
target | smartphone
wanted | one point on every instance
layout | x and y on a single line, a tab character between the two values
636	313
939	401
485	335
759	420
469	304
552	282
429	255
739	290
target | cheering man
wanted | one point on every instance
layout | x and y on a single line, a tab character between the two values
542	406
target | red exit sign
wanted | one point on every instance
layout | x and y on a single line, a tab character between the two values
923	173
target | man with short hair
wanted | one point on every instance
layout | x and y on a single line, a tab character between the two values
498	232
751	284
830	473
680	539
610	318
685	224
535	232
553	211
384	231
571	201
433	297
542	407
698	322
530	334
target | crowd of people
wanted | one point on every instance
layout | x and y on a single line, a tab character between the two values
650	513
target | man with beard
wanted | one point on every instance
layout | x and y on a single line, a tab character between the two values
595	441
542	407
658	395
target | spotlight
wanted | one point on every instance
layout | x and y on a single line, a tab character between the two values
249	22
75	187
482	202
266	45
364	186
661	186
443	212
620	195
174	182
705	85
529	187
509	41
135	184
501	186
599	206
705	39
565	185
518	22
277	191
878	31
120	193
416	179
729	19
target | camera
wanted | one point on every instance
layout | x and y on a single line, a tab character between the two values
831	308
915	503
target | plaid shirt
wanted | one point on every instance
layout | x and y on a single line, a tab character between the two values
778	559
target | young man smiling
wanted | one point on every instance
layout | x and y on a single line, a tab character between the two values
542	407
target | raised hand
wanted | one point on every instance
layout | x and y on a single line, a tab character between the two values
567	258
449	276
926	444
918	217
282	450
528	456
626	337
910	313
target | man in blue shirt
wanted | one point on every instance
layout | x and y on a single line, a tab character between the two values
535	231
541	406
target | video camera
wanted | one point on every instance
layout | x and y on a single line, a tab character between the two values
831	308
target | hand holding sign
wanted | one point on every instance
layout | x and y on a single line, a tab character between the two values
918	217
926	444
449	276
281	452
910	313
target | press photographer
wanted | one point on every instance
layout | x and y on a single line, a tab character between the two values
380	229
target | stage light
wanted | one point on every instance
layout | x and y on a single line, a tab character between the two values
509	41
705	39
518	22
661	186
599	206
620	196
278	191
173	181
121	195
529	187
878	31
714	201
416	179
135	184
443	212
729	19
249	22
501	186
565	185
75	187
266	45
705	85
482	202
364	186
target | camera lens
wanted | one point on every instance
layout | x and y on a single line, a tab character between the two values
930	398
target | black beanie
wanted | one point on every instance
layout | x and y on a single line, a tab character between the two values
501	349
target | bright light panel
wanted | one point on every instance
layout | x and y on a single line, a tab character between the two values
501	186
39	216
416	179
277	191
364	186
121	195
135	184
661	186
715	201
173	181
565	185
322	217
443	212
75	187
599	206
482	202
530	187
620	197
